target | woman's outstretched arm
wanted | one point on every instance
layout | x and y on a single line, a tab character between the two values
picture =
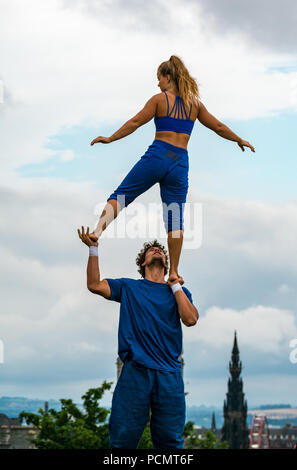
219	128
144	116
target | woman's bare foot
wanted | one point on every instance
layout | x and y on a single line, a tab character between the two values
93	237
173	276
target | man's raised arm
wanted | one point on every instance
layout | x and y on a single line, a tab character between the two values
93	274
187	311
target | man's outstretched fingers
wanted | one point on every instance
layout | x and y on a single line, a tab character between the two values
87	234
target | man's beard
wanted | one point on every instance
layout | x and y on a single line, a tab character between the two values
157	260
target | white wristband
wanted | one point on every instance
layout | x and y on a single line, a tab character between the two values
176	287
93	250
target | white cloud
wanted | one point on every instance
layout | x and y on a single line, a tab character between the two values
261	328
53	314
274	31
284	289
260	231
67	155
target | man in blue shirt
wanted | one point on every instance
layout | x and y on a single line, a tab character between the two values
149	345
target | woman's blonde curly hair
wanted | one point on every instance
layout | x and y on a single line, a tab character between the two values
185	84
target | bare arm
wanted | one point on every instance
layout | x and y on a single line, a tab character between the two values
93	279
219	128
187	311
94	283
144	116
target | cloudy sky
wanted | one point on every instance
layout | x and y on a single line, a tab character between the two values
73	70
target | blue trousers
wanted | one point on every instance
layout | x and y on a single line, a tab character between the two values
167	165
138	390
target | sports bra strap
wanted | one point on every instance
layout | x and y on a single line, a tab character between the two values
176	103
181	109
167	102
191	107
184	109
174	108
178	106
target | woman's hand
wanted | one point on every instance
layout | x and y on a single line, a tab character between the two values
243	143
103	140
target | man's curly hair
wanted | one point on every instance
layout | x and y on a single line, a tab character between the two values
141	256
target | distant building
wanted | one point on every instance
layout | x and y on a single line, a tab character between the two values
217	432
200	430
235	430
5	421
283	438
15	436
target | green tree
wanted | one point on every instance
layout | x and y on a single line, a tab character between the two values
207	441
71	428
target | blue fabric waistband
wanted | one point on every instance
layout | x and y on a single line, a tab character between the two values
169	146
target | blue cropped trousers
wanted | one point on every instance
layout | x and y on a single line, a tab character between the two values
167	165
138	390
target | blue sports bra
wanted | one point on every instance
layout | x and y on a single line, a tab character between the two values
167	123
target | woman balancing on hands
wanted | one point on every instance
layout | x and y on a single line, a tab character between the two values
166	161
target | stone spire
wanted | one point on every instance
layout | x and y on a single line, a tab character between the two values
213	423
235	429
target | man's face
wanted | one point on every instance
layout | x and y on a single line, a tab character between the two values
155	255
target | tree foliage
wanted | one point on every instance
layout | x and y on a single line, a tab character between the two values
207	441
71	428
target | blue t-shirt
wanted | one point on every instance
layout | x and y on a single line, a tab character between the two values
150	328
